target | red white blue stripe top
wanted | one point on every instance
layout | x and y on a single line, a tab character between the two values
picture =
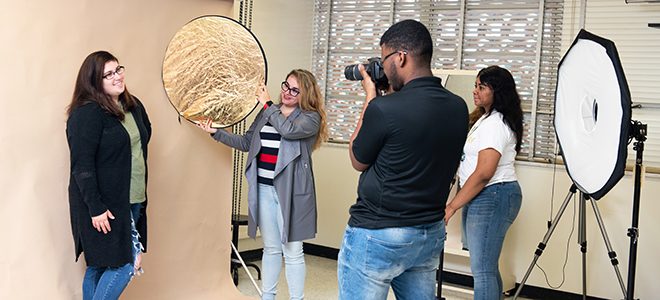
270	146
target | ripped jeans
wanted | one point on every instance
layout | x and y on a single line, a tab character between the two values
105	283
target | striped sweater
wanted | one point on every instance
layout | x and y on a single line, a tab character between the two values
270	146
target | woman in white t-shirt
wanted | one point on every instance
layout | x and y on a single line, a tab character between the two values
489	191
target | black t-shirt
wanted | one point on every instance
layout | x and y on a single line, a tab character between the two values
413	140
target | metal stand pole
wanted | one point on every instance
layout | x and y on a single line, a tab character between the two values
246	269
582	240
610	252
639	133
438	276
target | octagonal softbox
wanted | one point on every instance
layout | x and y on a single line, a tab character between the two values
211	70
592	114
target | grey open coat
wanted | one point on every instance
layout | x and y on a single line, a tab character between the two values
294	179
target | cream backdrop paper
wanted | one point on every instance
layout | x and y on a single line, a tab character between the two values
43	45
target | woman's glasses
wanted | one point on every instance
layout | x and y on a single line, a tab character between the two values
292	91
111	75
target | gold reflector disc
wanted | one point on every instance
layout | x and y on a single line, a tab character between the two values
212	68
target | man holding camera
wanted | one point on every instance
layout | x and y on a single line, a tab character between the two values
407	145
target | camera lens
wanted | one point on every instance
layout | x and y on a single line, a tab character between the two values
352	72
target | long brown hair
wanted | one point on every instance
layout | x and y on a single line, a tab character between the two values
311	99
89	87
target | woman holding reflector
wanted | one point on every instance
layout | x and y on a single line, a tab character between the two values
281	192
489	191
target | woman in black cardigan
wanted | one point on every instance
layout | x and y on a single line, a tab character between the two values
107	130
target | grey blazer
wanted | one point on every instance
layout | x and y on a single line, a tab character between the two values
294	179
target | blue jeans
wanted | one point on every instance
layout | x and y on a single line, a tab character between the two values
270	225
487	219
406	258
464	242
109	282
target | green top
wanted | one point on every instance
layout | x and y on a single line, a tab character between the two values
138	170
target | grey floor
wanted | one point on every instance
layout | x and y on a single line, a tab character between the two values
321	282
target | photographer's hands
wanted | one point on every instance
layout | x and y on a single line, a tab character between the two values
367	84
370	88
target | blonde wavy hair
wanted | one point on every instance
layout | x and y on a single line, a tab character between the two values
311	99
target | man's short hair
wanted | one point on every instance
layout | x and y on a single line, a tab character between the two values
412	36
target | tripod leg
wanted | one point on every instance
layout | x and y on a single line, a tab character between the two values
610	252
543	243
582	240
246	269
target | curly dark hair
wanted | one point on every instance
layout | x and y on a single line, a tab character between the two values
411	36
506	99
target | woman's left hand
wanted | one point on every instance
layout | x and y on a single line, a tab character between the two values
262	94
449	212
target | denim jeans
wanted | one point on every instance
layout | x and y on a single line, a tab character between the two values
406	258
101	283
464	243
270	225
487	218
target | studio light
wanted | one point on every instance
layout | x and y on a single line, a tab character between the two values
592	114
593	126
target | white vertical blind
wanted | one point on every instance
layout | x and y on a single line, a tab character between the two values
468	34
639	50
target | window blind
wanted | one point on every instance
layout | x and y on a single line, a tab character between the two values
639	50
522	36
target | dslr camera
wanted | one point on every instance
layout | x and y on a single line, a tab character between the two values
375	70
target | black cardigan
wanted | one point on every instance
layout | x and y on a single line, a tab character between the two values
100	180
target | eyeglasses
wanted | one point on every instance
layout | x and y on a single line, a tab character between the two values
292	91
395	52
111	75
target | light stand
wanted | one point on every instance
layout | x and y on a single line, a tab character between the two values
638	132
592	87
582	240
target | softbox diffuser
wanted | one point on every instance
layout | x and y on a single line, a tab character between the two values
592	114
211	70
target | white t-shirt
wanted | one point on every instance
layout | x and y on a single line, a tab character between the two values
490	132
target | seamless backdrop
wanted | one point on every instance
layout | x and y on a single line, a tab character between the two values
43	45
